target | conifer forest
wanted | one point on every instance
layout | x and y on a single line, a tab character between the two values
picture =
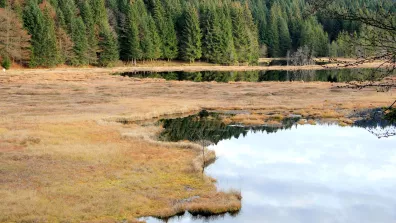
47	33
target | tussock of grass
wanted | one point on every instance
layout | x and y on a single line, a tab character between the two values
312	122
347	121
224	202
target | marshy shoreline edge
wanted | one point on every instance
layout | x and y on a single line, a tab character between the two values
62	159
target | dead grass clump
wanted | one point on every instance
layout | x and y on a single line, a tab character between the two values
169	212
342	124
273	122
312	122
302	122
248	119
346	121
278	117
218	203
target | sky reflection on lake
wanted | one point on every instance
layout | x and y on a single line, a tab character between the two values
308	174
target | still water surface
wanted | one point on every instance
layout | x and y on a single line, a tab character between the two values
335	75
322	173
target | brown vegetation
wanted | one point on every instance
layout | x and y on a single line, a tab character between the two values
64	156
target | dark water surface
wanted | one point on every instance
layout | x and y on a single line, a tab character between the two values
341	75
300	173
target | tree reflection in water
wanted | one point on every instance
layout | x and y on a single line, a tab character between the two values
327	75
210	128
378	124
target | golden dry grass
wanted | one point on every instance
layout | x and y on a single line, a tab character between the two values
63	156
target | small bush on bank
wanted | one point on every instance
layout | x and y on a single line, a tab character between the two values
6	62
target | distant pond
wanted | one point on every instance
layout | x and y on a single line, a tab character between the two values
331	75
298	173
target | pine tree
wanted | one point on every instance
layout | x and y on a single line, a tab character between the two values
191	35
68	10
253	36
313	36
50	50
33	22
99	12
79	38
227	48
166	31
108	47
87	16
240	33
273	40
260	13
131	40
156	40
40	26
146	39
211	34
284	37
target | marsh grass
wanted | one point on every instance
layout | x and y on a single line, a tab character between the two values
64	158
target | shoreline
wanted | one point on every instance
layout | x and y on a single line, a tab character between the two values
176	68
64	156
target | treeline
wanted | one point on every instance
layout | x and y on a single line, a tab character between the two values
101	32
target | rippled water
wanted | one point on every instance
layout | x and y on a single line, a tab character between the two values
321	173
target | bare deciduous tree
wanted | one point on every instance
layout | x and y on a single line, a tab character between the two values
379	31
379	26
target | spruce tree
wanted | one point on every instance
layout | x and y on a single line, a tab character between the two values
284	37
50	50
132	49
146	39
227	48
156	53
273	40
253	36
87	16
211	34
108	46
240	33
33	22
166	31
40	26
190	44
79	38
99	12
68	10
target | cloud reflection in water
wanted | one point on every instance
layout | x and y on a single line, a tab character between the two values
309	174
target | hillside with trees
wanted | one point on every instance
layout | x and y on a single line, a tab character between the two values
47	33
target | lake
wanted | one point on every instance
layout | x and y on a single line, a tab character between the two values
330	75
299	173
